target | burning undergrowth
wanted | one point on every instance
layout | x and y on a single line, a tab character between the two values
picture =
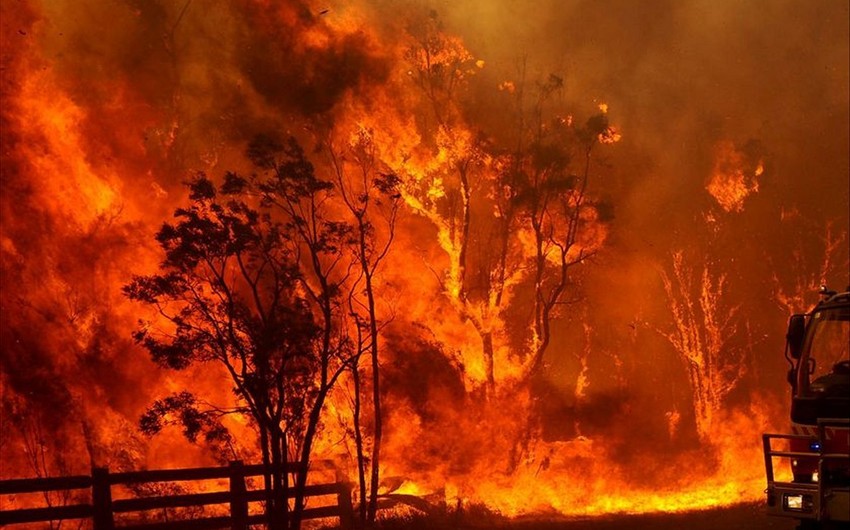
545	300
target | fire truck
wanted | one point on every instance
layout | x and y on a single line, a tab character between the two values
818	448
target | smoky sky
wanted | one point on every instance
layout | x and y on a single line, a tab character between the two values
680	77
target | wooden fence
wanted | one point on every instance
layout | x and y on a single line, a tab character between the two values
103	507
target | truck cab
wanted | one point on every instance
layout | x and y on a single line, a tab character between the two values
819	346
818	349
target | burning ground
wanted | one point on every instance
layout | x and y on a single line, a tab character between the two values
699	151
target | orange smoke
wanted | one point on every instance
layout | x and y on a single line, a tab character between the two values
639	403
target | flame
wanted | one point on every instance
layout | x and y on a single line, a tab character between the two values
639	406
570	478
85	193
731	181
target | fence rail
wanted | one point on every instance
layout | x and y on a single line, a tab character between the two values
103	508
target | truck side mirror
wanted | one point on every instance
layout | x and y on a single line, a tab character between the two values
795	335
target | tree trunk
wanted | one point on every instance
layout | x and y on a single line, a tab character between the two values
376	400
304	462
280	506
487	344
358	444
267	473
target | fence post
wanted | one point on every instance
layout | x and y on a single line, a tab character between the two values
343	500
238	497
101	495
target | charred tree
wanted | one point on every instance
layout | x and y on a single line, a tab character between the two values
551	222
45	445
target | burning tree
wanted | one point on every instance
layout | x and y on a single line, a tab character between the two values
440	67
370	197
704	328
505	215
252	292
811	267
552	202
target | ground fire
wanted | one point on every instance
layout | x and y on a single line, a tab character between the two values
528	259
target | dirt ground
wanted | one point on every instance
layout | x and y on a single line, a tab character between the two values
739	517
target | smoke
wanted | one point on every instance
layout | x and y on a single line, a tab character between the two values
681	76
683	80
109	106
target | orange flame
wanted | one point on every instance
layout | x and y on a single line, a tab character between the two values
732	181
447	438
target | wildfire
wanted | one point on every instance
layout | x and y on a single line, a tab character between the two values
53	121
732	180
519	362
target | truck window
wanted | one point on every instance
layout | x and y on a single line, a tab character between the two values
828	343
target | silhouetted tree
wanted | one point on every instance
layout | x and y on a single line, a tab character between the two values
547	222
287	184
232	291
550	187
371	197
